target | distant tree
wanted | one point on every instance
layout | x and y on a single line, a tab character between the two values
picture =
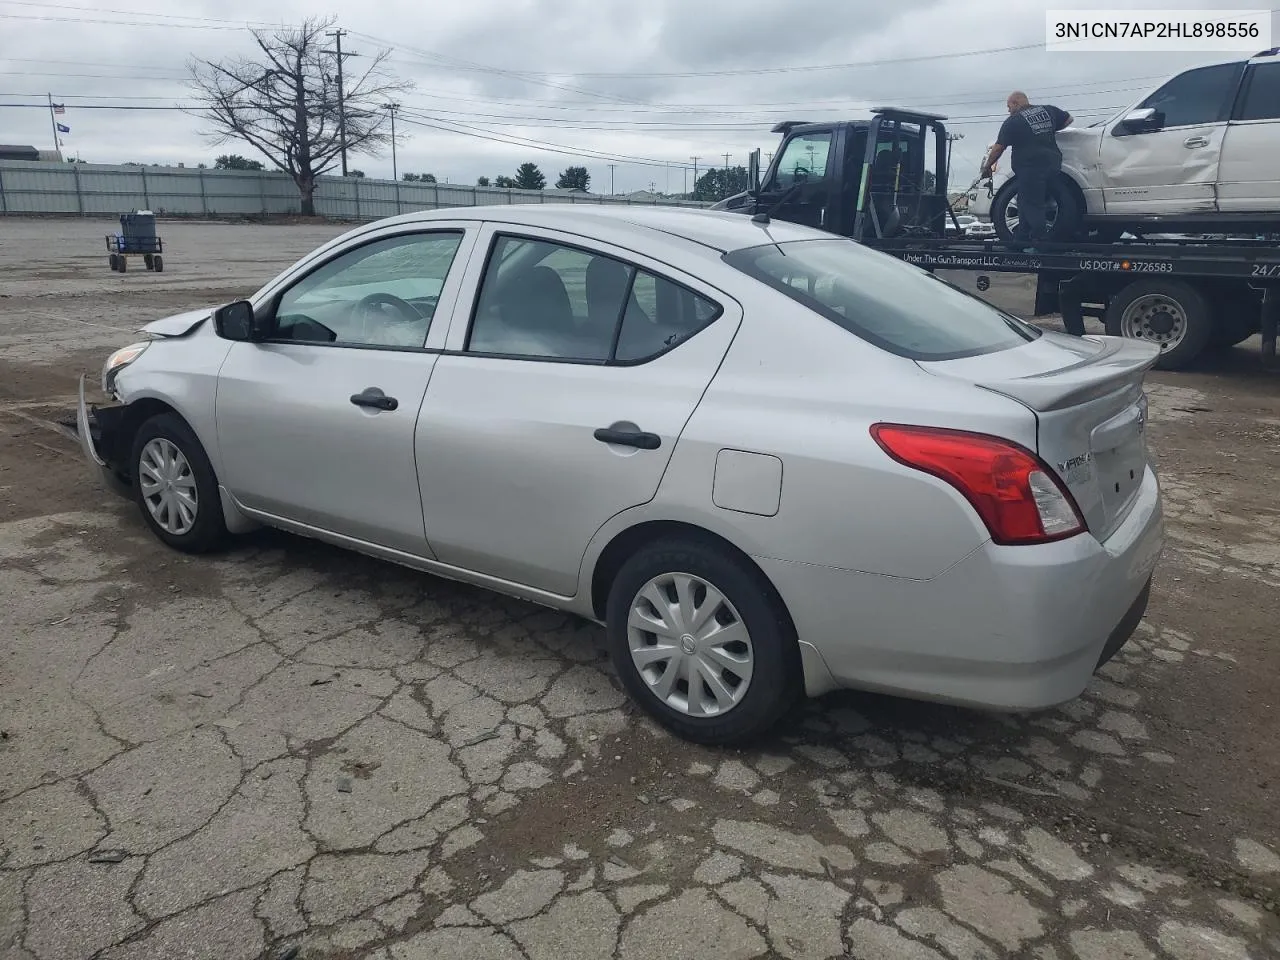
409	177
529	177
505	183
482	182
233	161
574	178
283	102
717	183
358	174
428	178
419	177
930	181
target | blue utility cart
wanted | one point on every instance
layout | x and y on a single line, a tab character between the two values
137	237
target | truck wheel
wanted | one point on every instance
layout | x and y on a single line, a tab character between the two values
1062	211
1169	313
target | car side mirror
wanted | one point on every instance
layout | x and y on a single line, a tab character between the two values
236	321
753	171
1145	118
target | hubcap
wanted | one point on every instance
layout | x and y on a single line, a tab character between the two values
168	486
1011	214
689	645
1156	319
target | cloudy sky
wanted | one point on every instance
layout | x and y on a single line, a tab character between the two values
558	82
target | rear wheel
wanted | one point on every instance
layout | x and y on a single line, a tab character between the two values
1062	211
147	259
113	262
1169	313
158	263
175	486
701	641
1236	319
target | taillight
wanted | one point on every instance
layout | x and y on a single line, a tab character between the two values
1015	493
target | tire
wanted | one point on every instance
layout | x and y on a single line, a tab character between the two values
158	263
1064	224
147	259
1170	313
114	262
122	263
162	434
744	710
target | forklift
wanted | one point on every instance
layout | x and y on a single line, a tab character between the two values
870	181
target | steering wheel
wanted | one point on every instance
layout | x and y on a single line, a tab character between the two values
370	313
408	312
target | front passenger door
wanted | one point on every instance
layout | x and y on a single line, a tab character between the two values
806	164
1170	167
316	424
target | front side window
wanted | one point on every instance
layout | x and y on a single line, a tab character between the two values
1197	96
551	301
380	294
886	302
804	158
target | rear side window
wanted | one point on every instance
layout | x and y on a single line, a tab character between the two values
1261	99
891	304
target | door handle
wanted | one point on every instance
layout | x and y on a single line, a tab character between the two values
1195	142
375	398
629	438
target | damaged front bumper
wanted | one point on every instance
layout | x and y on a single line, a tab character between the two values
100	430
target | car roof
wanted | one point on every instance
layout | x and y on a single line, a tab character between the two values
717	230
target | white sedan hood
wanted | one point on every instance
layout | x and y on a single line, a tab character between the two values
177	325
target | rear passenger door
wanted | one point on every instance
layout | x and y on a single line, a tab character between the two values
1249	173
559	404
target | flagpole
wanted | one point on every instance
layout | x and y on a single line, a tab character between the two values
53	123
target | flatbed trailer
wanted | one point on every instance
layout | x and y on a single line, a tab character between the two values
874	182
1192	294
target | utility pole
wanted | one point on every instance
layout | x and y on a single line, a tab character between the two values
612	166
726	174
695	173
342	107
392	108
951	138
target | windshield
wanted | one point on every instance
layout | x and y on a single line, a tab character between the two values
897	307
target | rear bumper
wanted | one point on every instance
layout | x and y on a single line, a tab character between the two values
1007	628
100	430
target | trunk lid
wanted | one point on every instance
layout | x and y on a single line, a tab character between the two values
1090	408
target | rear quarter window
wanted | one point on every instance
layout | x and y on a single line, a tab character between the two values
893	305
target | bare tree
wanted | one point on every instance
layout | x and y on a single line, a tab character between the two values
283	101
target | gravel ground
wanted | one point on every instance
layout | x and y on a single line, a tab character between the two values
290	746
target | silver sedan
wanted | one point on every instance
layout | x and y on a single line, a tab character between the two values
770	461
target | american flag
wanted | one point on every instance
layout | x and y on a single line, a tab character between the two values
59	108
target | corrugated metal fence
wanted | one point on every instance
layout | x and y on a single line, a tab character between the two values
28	187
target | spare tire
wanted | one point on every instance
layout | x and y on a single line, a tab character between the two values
1062	210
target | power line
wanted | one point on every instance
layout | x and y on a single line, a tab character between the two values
119	23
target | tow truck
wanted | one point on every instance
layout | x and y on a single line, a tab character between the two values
883	182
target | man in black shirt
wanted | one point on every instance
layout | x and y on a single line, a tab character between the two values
1031	132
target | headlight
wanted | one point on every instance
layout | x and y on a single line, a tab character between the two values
118	361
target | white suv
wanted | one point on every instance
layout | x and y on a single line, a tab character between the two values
1200	154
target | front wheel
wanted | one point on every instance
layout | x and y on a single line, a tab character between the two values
1169	313
701	641
1063	215
175	486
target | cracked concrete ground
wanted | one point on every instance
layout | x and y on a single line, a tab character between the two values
290	747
